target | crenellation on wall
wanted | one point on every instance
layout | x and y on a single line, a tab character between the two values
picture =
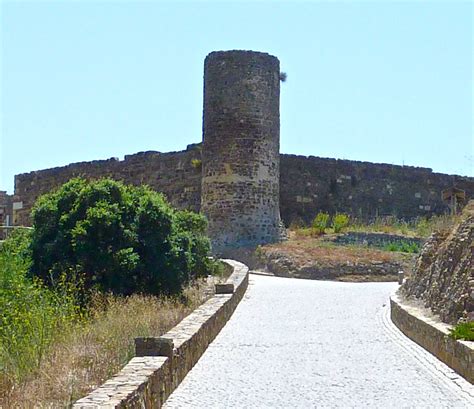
170	173
237	177
307	184
362	189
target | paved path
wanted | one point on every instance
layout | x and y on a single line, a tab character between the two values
301	344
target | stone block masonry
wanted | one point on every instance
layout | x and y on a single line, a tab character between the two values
147	381
239	180
362	189
241	141
433	336
307	184
6	210
176	174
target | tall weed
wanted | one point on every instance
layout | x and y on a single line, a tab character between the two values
30	314
320	222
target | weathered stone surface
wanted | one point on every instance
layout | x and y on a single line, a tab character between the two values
361	189
225	288
444	270
176	175
432	335
6	211
241	142
152	346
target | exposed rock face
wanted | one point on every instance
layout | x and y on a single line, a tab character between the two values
443	276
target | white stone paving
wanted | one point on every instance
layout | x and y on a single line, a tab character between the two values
302	344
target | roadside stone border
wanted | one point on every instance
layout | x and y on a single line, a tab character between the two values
161	363
432	335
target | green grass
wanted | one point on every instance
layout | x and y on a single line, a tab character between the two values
402	246
463	331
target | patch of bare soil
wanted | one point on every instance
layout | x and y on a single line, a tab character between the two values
316	258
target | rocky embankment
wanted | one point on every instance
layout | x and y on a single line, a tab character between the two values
443	276
318	259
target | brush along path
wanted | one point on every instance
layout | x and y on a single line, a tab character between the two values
301	343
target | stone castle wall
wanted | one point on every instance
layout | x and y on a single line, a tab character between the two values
241	141
6	212
176	174
362	189
307	184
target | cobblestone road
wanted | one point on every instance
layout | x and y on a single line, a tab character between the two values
299	343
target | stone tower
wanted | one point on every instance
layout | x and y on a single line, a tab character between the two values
241	144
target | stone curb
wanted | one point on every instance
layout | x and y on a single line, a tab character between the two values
433	336
147	381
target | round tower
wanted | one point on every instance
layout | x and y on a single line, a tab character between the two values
241	144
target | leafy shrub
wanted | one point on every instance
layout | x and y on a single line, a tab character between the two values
339	222
117	238
320	222
464	331
30	314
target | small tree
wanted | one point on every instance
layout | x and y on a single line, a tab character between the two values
117	238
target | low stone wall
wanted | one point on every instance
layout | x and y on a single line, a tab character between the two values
433	336
147	381
374	239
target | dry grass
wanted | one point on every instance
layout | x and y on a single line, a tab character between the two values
83	357
307	249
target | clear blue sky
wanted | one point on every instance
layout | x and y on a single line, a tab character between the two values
375	81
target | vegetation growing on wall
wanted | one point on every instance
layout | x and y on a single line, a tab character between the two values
463	331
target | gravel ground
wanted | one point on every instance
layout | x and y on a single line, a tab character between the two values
299	344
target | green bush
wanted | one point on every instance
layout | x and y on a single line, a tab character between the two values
320	222
464	331
31	315
339	222
117	238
